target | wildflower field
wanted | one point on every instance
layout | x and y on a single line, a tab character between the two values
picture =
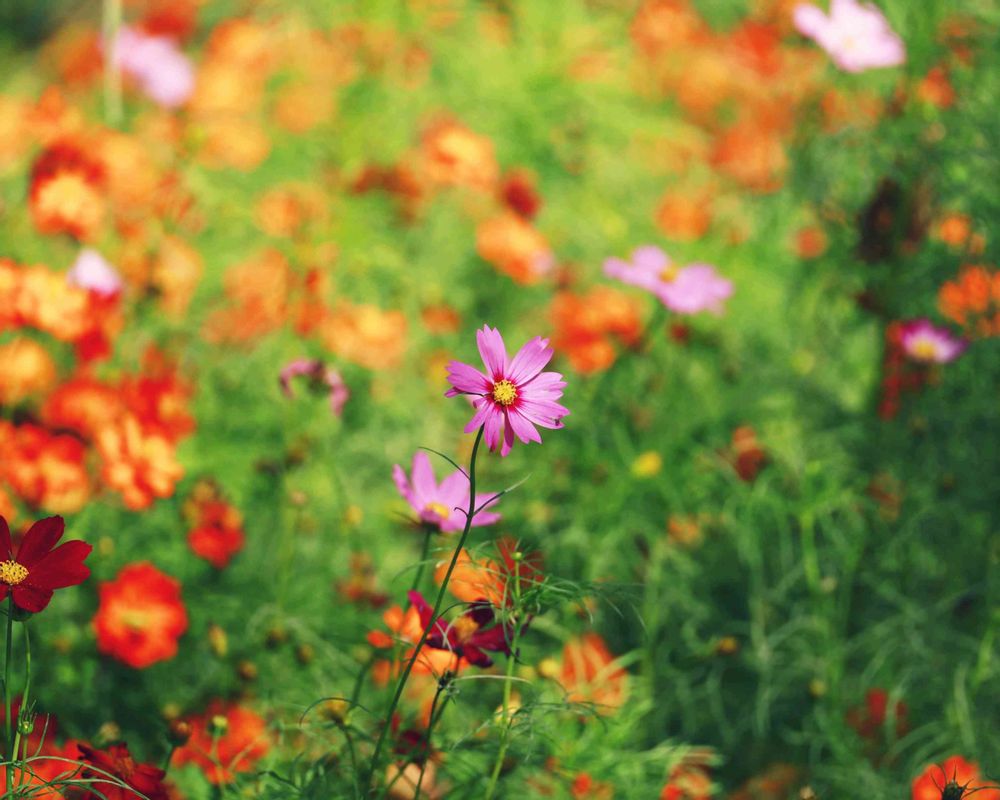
572	399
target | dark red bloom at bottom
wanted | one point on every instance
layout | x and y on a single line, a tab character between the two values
116	766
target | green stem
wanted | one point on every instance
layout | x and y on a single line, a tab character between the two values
430	728
434	612
25	704
111	20
8	732
508	680
428	532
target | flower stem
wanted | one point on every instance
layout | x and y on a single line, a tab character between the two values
423	558
437	607
508	720
25	705
430	729
8	738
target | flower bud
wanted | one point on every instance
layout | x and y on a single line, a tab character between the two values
179	731
305	653
217	640
218	725
247	671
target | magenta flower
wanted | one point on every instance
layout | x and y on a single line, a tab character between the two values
922	341
441	505
157	65
321	377
689	290
476	631
514	395
91	271
855	35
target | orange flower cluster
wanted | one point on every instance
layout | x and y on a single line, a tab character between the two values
973	300
227	738
586	326
140	616
589	674
215	527
38	298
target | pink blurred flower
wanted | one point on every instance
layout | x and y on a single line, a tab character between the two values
689	290
441	505
922	341
91	271
856	35
514	395
320	376
156	64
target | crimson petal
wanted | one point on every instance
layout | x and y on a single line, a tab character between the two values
6	547
39	540
30	598
62	567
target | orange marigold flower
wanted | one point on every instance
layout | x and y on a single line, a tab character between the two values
233	142
752	154
684	216
140	616
928	785
46	470
688	782
935	88
218	533
810	242
222	750
584	787
66	194
158	398
27	369
587	325
258	289
140	464
405	631
453	155
746	455
366	335
514	248
973	300
589	674
83	405
176	272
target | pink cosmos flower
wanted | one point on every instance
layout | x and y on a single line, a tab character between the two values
922	341
320	376
91	271
442	505
156	64
514	395
856	35
689	290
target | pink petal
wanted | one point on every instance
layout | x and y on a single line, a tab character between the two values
493	352
403	485
522	427
479	418
508	438
422	475
809	20
492	425
529	360
544	413
466	379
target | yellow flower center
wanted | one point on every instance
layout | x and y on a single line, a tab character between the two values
464	628
437	508
668	274
12	573
504	392
924	350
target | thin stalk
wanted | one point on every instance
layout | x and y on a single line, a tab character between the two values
428	532
508	720
8	732
25	704
434	612
111	21
430	728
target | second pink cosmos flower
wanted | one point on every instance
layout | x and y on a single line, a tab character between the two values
513	395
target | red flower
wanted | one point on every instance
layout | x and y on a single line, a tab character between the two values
37	570
116	761
468	636
140	616
954	773
220	751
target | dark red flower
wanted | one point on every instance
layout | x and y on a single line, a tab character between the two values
468	636
116	761
37	570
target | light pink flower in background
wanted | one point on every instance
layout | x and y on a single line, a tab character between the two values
856	35
686	290
514	395
92	271
441	505
925	342
156	64
320	376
